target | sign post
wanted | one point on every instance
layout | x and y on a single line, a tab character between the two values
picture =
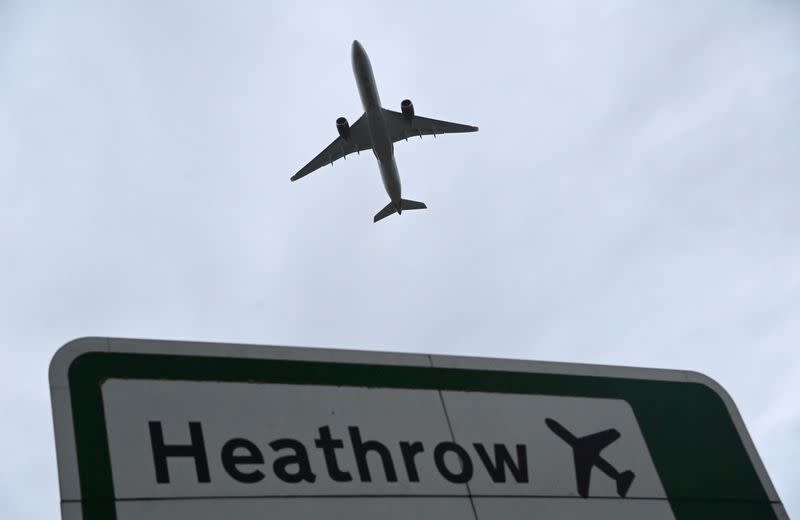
165	430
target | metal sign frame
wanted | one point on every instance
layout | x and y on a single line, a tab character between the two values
702	452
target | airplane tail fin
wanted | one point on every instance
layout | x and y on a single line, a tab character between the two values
392	208
624	482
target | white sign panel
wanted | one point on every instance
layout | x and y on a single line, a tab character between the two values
160	430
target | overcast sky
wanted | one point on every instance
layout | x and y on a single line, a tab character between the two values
630	199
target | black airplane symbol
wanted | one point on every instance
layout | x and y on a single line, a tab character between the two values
586	452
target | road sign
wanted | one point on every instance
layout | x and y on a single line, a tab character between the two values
166	430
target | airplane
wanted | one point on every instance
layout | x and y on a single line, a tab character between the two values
586	452
378	129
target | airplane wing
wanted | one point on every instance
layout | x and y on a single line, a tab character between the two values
358	141
595	443
401	128
583	473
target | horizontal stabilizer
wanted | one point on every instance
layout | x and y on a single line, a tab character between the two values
624	482
385	212
412	204
392	208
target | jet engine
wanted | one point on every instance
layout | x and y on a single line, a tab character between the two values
343	127
407	108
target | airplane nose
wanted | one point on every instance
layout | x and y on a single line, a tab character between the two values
359	57
358	49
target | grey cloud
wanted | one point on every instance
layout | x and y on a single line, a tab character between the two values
630	198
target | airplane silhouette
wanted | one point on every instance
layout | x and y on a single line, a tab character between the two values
586	452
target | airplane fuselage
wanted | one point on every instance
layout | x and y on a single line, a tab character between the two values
382	144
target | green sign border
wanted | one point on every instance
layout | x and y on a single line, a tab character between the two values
703	465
